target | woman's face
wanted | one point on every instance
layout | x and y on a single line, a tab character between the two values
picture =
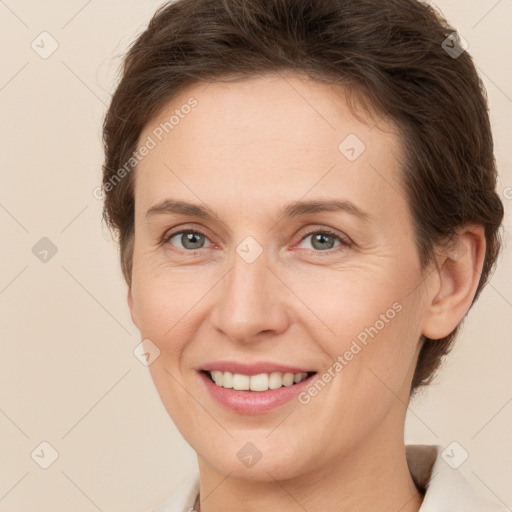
271	285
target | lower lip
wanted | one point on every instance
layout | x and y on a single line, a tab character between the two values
253	402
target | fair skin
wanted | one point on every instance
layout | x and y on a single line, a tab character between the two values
248	149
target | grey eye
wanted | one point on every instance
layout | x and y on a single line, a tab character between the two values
189	240
322	241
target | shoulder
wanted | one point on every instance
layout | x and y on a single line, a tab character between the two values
182	499
445	488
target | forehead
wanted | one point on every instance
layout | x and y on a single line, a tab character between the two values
280	132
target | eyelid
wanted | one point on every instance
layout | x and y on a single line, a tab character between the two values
344	240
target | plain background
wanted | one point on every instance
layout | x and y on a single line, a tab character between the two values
68	375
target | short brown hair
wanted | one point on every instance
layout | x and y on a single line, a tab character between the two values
393	54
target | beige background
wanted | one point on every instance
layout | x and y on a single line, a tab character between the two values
68	375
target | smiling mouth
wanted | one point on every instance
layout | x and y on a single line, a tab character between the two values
260	382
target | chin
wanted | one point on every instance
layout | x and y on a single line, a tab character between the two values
244	460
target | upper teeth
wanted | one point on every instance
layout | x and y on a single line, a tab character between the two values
260	382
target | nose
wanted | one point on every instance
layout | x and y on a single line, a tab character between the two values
251	302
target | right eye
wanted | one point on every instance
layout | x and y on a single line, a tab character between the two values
190	240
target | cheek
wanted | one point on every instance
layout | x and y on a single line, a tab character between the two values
350	302
166	314
370	364
379	355
169	307
369	319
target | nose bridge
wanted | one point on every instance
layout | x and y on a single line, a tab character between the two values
251	299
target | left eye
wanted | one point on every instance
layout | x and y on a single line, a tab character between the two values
323	240
190	240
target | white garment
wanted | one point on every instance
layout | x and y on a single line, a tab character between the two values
446	490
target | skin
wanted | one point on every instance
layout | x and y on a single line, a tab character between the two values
248	149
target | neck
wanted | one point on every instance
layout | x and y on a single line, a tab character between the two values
373	477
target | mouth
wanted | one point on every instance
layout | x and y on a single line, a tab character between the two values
257	383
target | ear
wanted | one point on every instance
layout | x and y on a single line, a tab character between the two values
459	267
132	310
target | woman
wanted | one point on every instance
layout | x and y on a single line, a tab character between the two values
304	193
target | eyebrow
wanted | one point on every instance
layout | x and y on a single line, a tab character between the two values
296	209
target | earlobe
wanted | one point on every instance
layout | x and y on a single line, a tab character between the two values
458	274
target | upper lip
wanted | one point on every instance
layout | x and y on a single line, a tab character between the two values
252	368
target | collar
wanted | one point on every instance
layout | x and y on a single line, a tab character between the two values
445	489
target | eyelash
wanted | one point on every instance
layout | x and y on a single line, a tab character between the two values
344	242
